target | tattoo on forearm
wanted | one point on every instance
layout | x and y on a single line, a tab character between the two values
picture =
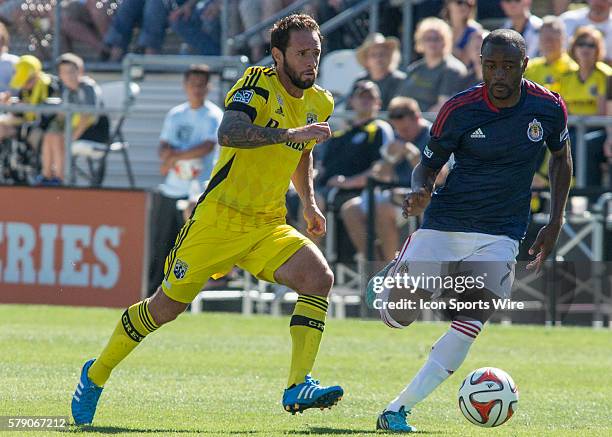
236	130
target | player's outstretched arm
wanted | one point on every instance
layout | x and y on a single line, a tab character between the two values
238	131
560	175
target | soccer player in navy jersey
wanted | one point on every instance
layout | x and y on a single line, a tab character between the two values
473	224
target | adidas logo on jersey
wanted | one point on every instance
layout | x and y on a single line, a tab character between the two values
478	133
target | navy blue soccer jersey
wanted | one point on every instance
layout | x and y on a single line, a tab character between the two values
495	150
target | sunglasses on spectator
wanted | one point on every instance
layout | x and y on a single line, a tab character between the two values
432	39
590	45
464	3
396	115
511	1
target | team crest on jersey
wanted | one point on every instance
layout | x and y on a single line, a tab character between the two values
535	132
180	269
593	90
311	118
243	96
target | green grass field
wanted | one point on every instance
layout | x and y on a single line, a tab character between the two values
223	375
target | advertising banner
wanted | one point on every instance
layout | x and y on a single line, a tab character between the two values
72	246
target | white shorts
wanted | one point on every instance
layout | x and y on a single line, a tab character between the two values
440	259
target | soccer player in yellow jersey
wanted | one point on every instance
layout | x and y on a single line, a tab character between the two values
273	119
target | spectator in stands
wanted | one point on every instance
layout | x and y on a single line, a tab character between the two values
461	14
524	22
250	16
119	35
196	22
554	62
381	56
86	21
77	89
33	86
474	74
586	91
349	155
560	6
399	158
597	14
7	61
188	151
438	75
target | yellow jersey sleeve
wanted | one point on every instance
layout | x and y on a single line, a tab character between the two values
250	95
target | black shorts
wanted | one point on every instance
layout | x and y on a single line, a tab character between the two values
99	132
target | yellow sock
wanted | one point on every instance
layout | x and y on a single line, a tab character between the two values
135	324
306	327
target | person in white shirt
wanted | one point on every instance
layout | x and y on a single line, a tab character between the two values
7	60
597	14
520	18
188	152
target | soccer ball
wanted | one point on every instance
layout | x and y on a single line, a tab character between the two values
188	169
488	397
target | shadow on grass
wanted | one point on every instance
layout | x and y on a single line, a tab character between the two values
110	430
344	431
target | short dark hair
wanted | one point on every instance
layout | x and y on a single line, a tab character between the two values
281	31
200	69
401	106
72	59
505	37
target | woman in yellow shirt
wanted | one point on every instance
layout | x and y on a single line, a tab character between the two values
588	91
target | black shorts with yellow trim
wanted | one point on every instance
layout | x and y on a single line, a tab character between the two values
203	251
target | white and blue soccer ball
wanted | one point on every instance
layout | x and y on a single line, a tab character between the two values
488	397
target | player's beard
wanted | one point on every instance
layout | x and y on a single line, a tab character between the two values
294	77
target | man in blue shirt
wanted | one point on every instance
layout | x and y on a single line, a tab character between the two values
473	224
188	151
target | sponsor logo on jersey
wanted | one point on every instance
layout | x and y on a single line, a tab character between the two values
478	133
535	132
180	269
243	96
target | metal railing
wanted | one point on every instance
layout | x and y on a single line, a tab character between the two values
580	123
327	27
229	68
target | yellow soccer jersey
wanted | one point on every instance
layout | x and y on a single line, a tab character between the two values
581	97
248	186
549	75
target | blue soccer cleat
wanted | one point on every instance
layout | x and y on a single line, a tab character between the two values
310	394
394	421
85	398
371	295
